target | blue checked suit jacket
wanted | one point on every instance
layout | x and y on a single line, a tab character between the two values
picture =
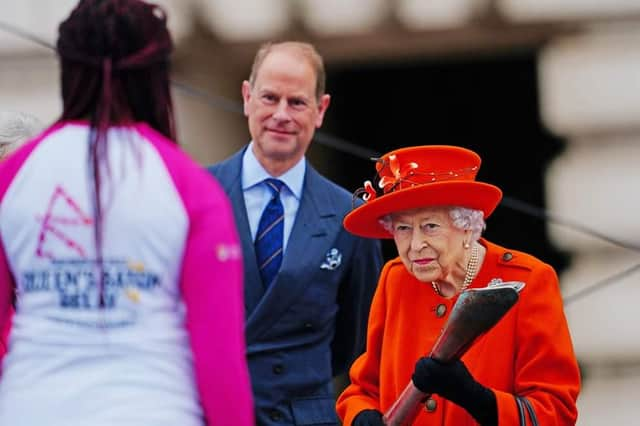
310	325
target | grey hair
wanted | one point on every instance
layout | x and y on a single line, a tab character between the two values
15	128
471	219
462	218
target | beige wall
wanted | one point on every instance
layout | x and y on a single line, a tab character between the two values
209	133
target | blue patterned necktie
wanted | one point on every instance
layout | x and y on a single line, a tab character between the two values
270	235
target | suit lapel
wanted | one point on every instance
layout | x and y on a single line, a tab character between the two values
307	245
231	179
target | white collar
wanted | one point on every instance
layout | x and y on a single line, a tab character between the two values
253	173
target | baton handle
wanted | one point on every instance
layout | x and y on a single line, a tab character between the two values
406	408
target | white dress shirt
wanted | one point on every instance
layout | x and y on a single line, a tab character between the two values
257	194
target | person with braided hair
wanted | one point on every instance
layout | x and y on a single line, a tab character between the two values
127	282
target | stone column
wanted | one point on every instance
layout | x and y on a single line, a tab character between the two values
590	91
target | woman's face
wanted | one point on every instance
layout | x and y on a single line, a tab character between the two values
430	246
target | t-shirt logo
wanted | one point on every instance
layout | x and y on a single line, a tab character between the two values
67	280
63	215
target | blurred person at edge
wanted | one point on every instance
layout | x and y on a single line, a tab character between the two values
307	323
127	281
429	202
16	128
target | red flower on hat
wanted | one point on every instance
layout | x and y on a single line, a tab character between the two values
369	192
389	183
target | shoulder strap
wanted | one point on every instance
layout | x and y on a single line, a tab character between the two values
523	403
532	413
522	415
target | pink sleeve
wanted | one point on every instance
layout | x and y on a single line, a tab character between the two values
212	288
6	291
8	170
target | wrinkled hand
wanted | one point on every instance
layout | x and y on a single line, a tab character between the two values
454	382
368	418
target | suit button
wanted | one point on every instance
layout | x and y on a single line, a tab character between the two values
430	405
507	256
441	309
278	369
308	326
275	416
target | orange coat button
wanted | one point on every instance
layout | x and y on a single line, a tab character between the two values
430	405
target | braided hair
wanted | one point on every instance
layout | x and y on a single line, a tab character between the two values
114	57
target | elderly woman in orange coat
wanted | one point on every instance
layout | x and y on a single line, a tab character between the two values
435	210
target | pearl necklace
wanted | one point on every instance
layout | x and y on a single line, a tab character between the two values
472	267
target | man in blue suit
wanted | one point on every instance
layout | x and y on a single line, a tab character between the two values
308	282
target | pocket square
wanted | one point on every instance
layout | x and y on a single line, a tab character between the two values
333	259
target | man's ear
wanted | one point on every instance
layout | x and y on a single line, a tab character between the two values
323	104
246	96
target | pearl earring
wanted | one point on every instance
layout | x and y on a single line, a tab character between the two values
466	245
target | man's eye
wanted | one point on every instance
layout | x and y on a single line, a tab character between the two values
298	103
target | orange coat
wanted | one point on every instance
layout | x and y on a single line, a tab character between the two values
529	352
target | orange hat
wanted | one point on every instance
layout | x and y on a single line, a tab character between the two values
421	176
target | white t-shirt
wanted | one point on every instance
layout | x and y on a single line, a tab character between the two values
129	361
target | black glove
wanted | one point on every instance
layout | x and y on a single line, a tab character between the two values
454	382
368	418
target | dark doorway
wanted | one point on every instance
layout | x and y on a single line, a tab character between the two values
488	104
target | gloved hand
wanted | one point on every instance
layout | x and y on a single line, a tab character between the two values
454	382
368	418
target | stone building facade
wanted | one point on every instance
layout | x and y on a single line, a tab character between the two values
589	88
